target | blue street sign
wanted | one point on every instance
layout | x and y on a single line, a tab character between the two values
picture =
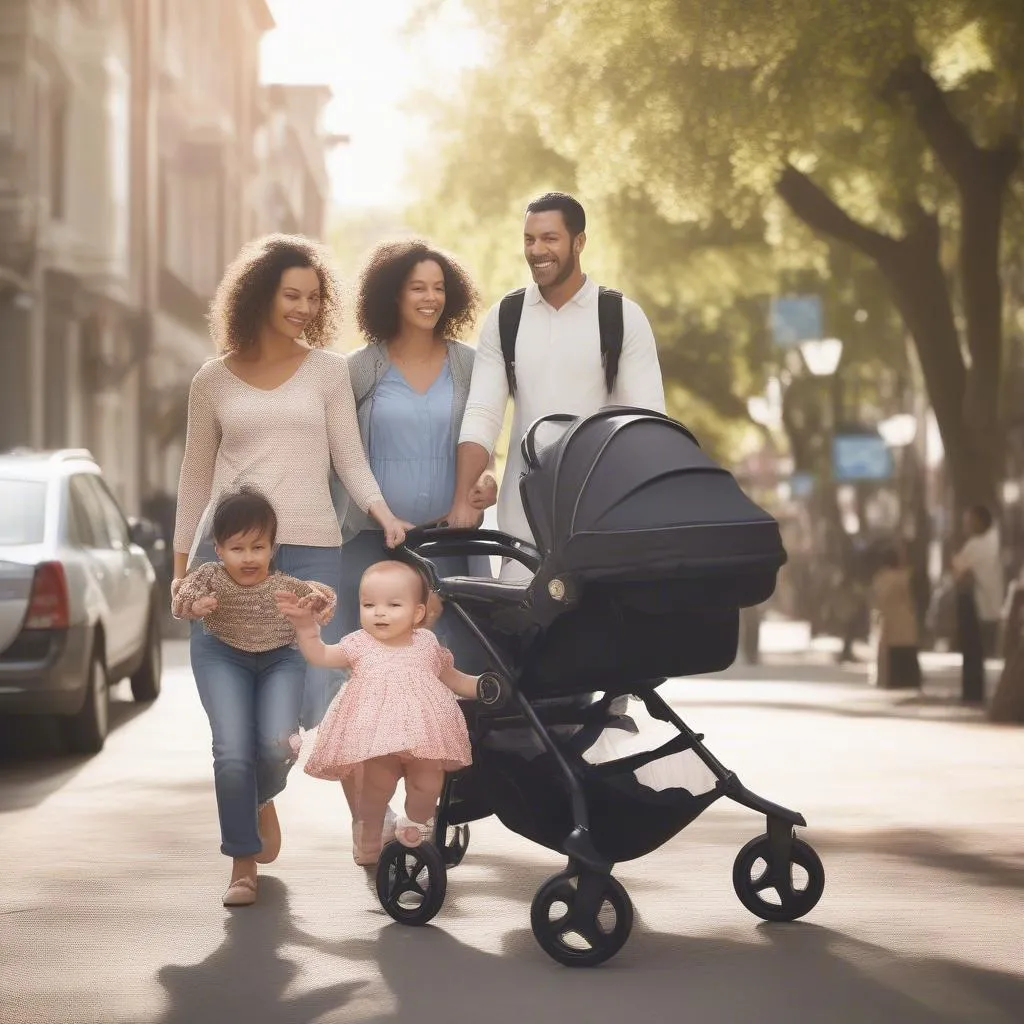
860	457
801	485
796	318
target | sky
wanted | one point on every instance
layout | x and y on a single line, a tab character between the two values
358	47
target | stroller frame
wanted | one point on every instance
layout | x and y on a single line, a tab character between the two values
586	885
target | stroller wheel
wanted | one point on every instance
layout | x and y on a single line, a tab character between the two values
411	882
581	920
455	848
784	894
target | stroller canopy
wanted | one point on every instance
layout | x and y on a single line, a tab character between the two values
629	494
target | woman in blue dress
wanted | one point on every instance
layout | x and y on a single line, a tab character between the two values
411	382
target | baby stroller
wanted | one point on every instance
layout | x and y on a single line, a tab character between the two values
646	549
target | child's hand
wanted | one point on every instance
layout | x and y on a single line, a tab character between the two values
296	610
202	606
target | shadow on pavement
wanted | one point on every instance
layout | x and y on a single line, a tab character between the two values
246	978
33	763
788	972
919	708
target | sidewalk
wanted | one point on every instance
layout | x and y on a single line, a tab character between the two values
789	653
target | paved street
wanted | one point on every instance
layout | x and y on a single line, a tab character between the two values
110	912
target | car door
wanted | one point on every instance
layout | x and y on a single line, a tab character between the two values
105	562
134	595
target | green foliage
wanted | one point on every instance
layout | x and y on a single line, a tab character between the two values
672	121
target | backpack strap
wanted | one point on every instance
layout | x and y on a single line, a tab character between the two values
510	312
610	325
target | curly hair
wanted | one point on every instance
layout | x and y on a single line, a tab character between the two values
384	275
246	292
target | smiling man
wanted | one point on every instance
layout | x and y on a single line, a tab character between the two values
562	345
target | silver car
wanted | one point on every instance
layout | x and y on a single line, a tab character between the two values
79	602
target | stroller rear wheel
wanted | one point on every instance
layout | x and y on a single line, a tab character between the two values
411	882
775	892
455	848
581	917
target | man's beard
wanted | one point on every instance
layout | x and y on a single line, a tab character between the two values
566	272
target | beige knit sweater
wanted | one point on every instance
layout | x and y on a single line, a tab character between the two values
281	441
247	617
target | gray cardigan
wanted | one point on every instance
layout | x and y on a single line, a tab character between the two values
367	367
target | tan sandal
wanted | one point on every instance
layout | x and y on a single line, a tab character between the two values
270	834
241	892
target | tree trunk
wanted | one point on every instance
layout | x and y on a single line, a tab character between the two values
913	272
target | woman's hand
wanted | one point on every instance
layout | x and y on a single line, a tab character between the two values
394	528
484	493
464	515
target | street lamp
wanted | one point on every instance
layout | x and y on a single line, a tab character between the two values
821	357
899	431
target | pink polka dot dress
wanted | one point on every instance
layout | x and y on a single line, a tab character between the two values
393	703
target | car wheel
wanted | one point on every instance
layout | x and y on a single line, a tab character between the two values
85	732
146	680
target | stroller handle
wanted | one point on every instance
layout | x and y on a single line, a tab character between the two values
436	541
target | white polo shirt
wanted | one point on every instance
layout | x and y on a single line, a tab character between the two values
558	370
980	555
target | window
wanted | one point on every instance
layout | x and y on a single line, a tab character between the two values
81	530
58	154
117	527
88	527
22	511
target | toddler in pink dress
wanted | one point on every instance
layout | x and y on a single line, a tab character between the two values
397	716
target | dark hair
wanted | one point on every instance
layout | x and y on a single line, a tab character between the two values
982	516
247	289
572	211
244	511
384	275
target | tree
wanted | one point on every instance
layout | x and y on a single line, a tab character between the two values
890	127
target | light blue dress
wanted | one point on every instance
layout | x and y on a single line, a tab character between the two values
411	450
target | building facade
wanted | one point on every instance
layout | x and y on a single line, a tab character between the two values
138	151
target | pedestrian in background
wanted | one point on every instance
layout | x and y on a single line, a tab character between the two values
273	411
978	572
892	593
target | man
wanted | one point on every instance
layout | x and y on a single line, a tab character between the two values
978	571
558	362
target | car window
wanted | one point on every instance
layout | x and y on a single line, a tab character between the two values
117	526
86	520
82	529
22	511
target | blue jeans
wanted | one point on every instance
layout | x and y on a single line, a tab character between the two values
253	700
253	703
367	547
322	565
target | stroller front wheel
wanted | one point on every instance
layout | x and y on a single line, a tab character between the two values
411	882
455	849
774	892
581	919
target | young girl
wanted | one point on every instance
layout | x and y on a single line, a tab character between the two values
254	674
397	716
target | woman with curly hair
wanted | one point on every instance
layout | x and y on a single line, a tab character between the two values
272	413
410	384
